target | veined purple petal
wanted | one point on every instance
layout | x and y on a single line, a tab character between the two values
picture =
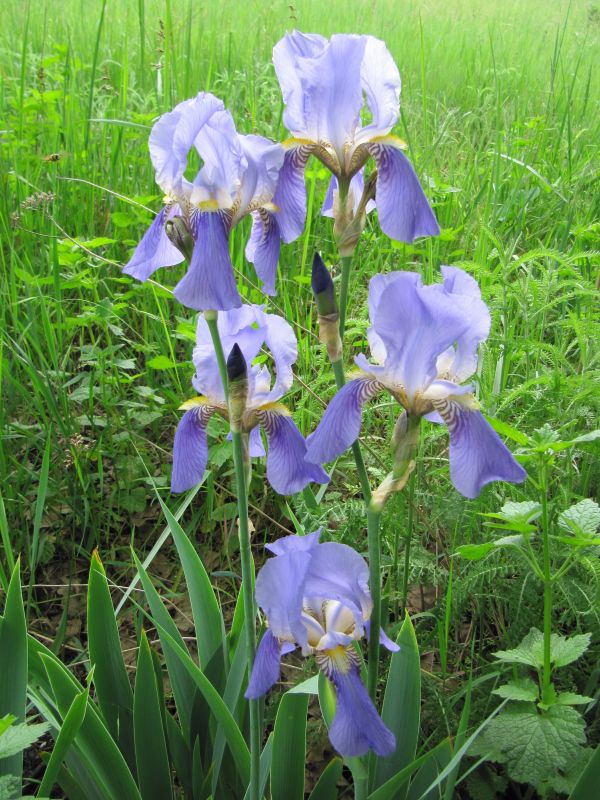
262	248
287	470
266	668
416	324
281	341
338	572
356	726
380	82
290	195
290	544
190	449
280	591
264	160
404	212
256	448
477	454
209	283
154	251
357	186
286	53
340	424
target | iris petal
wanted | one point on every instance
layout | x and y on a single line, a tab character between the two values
287	470
190	449
262	248
266	668
209	283
340	424
404	212
290	196
154	251
357	726
477	454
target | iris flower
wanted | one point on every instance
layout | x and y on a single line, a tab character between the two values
237	177
323	84
250	328
316	596
424	340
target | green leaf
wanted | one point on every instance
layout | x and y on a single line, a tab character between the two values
582	519
289	748
534	744
208	620
309	686
531	650
19	737
524	512
160	362
13	666
154	770
506	430
113	689
474	552
420	786
10	787
587	785
520	689
67	734
399	781
325	788
402	691
573	699
6	722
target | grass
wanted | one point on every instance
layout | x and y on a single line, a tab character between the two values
501	114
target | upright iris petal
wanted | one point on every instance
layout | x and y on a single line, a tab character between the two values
316	596
323	83
424	341
237	176
251	329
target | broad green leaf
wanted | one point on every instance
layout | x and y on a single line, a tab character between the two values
113	689
474	552
526	511
401	709
309	686
6	722
289	748
531	650
67	734
19	737
160	362
534	744
325	788
565	650
583	518
506	430
103	759
13	666
9	787
573	699
520	689
587	785
208	620
154	770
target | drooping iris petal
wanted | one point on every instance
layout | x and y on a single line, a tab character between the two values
384	639
357	726
340	423
266	668
290	196
380	81
404	212
280	592
287	470
289	544
190	450
357	185
262	248
477	454
459	283
154	251
256	448
337	572
286	53
416	324
209	283
281	341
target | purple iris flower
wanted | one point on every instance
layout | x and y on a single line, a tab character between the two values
238	176
316	596
323	84
250	328
424	341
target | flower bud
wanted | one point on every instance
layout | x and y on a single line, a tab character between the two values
329	327
405	443
237	373
180	235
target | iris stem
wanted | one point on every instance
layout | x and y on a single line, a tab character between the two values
407	543
245	559
547	670
374	544
346	263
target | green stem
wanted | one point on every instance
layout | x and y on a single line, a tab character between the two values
373	518
246	561
346	263
407	542
547	673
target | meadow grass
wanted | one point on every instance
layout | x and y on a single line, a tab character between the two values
500	110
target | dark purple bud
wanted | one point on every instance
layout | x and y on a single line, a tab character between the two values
322	286
236	364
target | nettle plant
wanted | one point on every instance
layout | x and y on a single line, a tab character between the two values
207	738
